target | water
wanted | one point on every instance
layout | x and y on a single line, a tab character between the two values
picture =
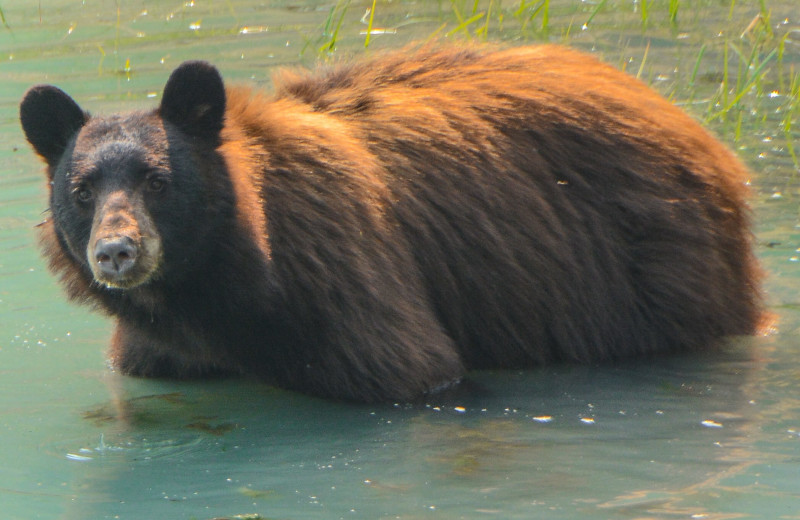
714	436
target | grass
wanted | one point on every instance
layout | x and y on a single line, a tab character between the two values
332	28
369	24
602	4
750	59
792	114
755	82
731	63
674	5
3	19
755	77
528	12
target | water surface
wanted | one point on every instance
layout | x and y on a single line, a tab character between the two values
714	436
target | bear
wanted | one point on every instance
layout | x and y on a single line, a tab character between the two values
373	230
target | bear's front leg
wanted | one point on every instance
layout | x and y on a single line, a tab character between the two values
137	352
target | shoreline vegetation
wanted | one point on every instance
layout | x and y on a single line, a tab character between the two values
735	66
749	61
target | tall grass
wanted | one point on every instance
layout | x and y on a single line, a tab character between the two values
369	24
790	115
674	5
332	26
3	19
750	58
737	76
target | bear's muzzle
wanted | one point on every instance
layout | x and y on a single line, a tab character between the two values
124	249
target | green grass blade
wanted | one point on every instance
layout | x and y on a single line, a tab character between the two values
741	91
645	12
594	13
697	65
3	19
674	5
330	46
484	31
466	23
545	15
644	60
369	25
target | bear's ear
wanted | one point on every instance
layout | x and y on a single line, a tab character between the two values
49	119
194	99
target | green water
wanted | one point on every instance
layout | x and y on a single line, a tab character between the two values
688	437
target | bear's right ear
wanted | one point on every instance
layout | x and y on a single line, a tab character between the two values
194	100
49	119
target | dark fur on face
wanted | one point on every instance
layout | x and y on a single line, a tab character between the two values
372	231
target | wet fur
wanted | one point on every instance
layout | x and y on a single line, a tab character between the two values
373	230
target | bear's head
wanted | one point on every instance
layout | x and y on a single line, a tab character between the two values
133	195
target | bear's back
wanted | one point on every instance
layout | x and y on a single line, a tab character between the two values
556	207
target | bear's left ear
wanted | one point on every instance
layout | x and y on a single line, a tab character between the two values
194	100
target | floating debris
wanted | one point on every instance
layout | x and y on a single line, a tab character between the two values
254	516
256	493
379	30
218	430
253	29
80	458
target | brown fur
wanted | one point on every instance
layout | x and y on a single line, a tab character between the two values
404	218
618	172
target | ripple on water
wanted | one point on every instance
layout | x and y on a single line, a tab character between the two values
117	447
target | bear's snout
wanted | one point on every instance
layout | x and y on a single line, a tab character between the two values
115	257
124	249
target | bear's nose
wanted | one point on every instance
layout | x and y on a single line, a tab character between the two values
115	256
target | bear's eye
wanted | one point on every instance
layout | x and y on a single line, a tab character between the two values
84	194
156	184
